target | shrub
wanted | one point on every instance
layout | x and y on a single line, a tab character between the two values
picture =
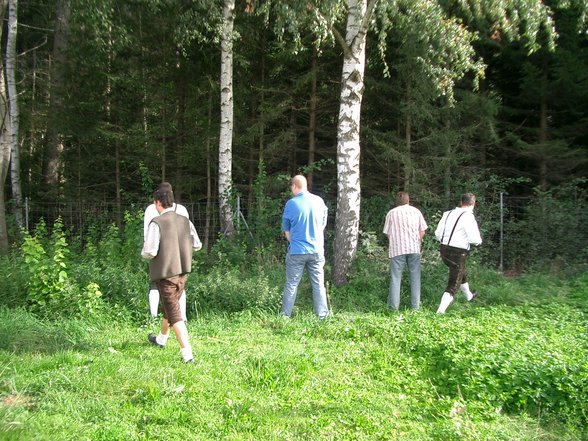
50	290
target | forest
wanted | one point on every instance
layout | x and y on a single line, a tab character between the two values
226	99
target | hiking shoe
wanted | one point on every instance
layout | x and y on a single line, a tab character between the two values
153	340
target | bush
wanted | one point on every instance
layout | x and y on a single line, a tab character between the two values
50	290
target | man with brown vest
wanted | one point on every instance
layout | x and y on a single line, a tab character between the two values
171	239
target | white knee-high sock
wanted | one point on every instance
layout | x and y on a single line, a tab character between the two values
183	305
153	301
445	302
465	288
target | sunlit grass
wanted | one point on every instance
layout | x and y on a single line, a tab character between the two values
484	371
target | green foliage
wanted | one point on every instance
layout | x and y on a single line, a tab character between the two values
553	231
266	226
112	259
494	373
225	289
50	290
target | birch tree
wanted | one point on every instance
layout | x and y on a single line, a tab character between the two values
4	145
13	110
225	155
348	146
456	57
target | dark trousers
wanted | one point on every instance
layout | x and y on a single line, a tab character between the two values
170	291
455	259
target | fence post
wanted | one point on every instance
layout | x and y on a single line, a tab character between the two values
238	213
26	210
501	264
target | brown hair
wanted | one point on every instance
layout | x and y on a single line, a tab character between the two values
164	194
402	198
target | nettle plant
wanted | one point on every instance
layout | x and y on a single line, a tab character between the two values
50	290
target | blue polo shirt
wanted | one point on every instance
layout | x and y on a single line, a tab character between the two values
305	217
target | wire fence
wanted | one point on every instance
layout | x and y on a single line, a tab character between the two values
515	229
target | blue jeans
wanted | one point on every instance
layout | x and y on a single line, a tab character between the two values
295	264
413	261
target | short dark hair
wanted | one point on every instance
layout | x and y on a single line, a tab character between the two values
402	198
468	199
164	194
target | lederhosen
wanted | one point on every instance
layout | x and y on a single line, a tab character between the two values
454	258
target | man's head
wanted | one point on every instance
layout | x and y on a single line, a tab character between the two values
468	200
402	198
163	196
299	184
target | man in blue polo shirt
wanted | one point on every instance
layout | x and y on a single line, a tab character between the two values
303	222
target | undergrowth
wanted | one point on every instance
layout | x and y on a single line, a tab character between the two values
75	364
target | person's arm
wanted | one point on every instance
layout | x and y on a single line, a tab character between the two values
151	245
422	226
150	213
472	230
440	225
286	221
196	243
386	227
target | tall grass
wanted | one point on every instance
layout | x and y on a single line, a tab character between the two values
481	372
510	366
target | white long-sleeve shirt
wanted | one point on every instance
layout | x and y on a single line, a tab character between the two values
151	212
151	245
466	231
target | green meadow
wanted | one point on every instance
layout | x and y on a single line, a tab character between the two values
75	363
512	366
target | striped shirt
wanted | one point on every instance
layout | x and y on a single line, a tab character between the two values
403	226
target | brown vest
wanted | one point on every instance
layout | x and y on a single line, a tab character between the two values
175	247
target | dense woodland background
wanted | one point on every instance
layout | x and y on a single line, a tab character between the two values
113	97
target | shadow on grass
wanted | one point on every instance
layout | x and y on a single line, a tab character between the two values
22	332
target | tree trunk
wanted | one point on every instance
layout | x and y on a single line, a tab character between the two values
408	161
14	115
543	127
225	154
4	144
348	148
54	148
208	175
312	118
180	135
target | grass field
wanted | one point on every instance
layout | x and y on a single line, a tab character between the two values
494	370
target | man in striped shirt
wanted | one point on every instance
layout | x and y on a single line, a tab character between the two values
405	227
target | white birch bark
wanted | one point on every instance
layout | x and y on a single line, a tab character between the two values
348	147
225	154
4	141
14	116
